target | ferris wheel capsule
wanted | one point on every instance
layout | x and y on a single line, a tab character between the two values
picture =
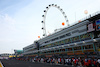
63	23
38	36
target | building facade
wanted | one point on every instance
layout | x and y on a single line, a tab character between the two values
6	55
28	50
79	39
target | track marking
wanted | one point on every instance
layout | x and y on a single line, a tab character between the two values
1	64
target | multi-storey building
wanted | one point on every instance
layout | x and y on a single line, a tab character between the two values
28	50
6	55
80	39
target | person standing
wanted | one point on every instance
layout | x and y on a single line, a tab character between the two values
98	62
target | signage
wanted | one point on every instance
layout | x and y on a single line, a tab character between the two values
98	25
99	35
90	27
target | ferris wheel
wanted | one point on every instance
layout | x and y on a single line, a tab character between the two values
45	13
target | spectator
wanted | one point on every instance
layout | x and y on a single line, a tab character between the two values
56	61
79	63
53	60
66	61
69	61
42	60
73	61
98	61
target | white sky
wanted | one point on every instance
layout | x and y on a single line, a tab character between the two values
20	20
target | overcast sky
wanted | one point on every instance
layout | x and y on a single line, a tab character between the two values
20	20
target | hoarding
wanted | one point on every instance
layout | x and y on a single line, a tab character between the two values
98	25
90	27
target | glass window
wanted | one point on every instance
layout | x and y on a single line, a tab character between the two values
77	48
82	37
48	45
77	38
62	36
66	49
88	47
52	44
86	36
67	41
62	42
62	49
52	51
56	50
59	42
56	43
97	45
69	49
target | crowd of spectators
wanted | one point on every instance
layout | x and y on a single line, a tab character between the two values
76	62
73	61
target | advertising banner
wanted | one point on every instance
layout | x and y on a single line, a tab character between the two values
98	25
90	27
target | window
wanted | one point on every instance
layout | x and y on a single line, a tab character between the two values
86	36
66	49
49	45
52	51
56	43
59	43
62	36
52	44
97	45
62	49
67	41
69	49
77	48
88	47
62	42
56	50
74	39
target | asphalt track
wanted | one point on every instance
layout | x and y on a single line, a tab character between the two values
16	63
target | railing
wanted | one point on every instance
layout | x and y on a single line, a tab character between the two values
78	52
88	50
